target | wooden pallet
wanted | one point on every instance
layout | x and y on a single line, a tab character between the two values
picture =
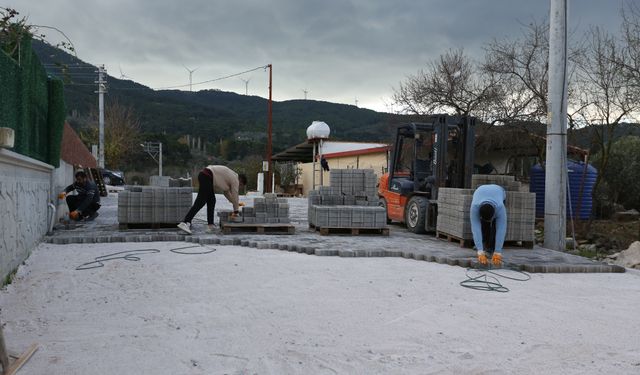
324	231
124	226
451	238
469	242
262	228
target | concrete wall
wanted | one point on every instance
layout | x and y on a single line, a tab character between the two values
25	190
62	177
375	161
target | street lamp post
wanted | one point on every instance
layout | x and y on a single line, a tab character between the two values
154	149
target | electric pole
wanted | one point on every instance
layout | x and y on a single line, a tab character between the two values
102	88
305	93
555	191
269	130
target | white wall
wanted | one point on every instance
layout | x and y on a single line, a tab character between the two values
25	191
61	178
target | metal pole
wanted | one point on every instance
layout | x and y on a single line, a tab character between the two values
313	167
269	175
101	91
160	161
556	166
321	168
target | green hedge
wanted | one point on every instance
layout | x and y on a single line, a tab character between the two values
32	104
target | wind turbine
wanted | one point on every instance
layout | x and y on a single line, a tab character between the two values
246	85
190	75
122	75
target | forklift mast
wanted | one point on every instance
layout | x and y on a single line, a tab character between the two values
447	162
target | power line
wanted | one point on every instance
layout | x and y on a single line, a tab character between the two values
211	80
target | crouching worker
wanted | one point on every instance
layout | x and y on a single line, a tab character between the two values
86	203
211	177
489	222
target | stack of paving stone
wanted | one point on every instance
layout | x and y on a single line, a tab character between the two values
268	209
351	201
507	182
454	207
153	204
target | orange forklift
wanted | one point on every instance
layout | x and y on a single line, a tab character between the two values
436	153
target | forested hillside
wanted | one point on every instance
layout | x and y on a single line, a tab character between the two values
215	116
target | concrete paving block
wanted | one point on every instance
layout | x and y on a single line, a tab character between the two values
326	252
346	254
407	254
226	241
263	245
103	239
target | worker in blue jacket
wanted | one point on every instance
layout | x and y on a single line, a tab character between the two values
489	222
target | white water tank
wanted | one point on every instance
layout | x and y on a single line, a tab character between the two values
318	130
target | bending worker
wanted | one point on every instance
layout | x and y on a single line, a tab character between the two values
209	178
489	222
86	203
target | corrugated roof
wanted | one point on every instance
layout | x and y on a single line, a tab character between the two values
303	152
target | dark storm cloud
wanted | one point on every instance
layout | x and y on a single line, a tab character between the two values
337	50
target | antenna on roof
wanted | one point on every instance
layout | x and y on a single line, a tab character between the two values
190	75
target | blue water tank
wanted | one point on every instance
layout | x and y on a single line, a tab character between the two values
578	177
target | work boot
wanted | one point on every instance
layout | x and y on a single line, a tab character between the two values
185	227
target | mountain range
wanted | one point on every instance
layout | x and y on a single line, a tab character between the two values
213	115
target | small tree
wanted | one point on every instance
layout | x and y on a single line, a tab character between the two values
121	135
623	172
287	173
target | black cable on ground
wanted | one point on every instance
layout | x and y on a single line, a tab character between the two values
178	250
130	255
133	255
486	282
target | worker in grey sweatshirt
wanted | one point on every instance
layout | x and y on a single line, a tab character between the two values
210	178
489	222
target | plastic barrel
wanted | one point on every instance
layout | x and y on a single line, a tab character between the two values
579	179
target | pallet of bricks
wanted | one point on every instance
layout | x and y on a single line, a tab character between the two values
454	207
153	206
269	215
348	206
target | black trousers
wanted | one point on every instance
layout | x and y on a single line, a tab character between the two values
205	196
74	201
488	235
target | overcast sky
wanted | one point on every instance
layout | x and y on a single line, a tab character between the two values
338	51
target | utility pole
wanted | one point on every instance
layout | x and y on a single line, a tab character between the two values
102	88
154	149
269	130
555	191
305	93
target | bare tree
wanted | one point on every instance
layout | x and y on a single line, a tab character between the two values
605	93
451	84
521	69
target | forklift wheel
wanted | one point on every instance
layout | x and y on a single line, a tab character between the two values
415	214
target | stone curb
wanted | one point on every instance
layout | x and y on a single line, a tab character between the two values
465	262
